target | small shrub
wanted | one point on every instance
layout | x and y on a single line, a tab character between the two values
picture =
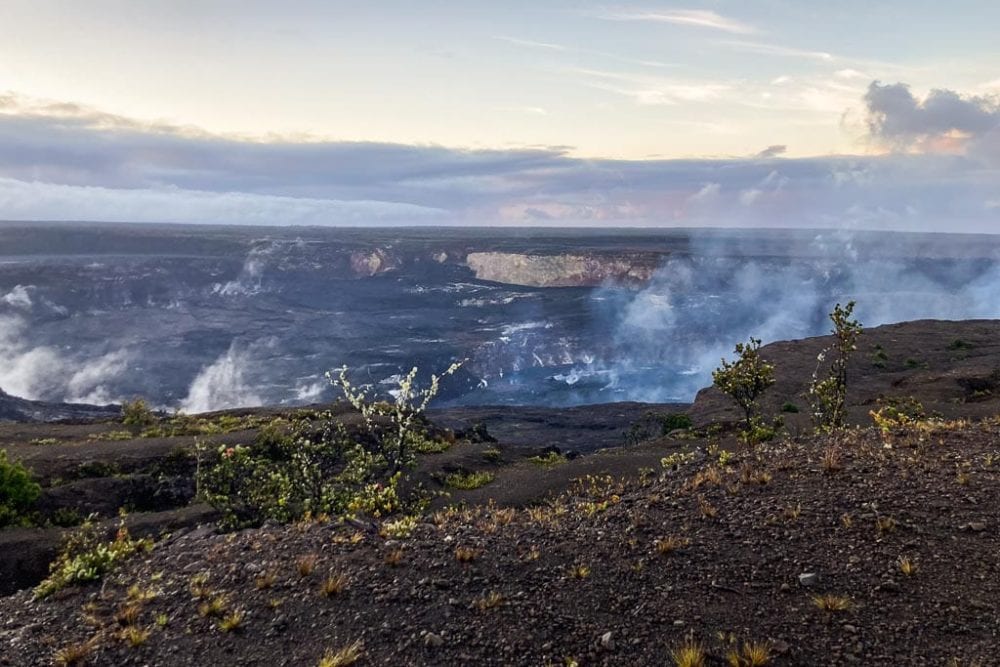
579	571
828	396
85	557
745	379
468	481
548	460
318	468
879	357
137	413
492	455
790	408
18	492
112	436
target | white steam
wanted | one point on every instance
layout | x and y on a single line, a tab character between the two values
223	384
17	298
48	373
668	337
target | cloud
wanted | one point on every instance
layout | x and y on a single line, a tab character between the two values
64	162
944	121
532	43
777	50
772	151
698	18
649	90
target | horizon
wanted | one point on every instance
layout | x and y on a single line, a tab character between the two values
512	229
570	114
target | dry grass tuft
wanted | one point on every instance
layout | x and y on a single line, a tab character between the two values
305	565
831	603
213	607
333	585
135	636
343	657
265	581
907	565
667	545
689	654
885	525
831	460
488	601
74	655
579	571
465	554
752	654
707	509
232	621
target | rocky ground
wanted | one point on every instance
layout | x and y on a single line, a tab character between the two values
636	559
828	551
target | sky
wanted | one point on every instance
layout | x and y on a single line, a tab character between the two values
774	113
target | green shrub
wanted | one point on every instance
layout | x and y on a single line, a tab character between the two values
137	413
549	459
318	467
18	492
493	455
828	396
87	557
745	379
790	408
468	481
675	422
958	344
656	425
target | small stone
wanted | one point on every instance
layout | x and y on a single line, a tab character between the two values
679	622
607	642
889	586
808	579
433	640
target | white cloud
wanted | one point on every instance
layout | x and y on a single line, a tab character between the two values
698	18
777	50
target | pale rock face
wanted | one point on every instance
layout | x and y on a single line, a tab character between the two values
368	264
564	270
